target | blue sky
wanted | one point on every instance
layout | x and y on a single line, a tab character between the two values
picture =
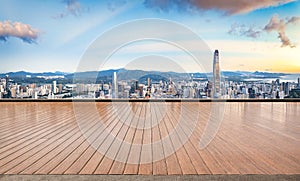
58	33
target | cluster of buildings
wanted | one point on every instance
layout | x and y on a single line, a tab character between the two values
193	88
34	91
273	90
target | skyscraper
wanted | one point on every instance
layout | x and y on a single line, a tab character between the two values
216	75
149	81
286	88
208	89
6	83
13	92
60	88
54	87
298	82
148	87
115	86
7	92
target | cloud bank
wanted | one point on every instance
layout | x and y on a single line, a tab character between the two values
19	30
279	25
275	24
229	7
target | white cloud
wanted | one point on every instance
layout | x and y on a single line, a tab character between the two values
19	30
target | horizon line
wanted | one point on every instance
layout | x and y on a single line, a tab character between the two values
117	69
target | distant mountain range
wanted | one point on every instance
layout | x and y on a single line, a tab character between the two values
24	74
124	74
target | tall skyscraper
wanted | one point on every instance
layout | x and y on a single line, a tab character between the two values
115	86
216	75
299	82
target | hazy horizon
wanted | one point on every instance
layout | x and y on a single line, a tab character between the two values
110	69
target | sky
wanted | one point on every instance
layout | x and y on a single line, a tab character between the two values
55	35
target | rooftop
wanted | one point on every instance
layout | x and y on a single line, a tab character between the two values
59	138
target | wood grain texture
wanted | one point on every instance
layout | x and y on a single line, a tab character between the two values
46	138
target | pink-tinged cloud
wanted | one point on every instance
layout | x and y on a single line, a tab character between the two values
293	20
229	7
279	25
19	30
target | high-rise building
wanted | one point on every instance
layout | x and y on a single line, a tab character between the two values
133	86
251	93
13	92
286	88
141	90
216	75
7	92
149	87
6	83
54	87
115	86
149	81
298	83
208	89
60	88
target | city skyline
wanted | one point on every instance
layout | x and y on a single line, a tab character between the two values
253	36
150	85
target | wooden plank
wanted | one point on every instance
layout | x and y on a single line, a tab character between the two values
44	147
111	145
52	164
196	159
26	122
262	138
118	167
145	167
78	165
173	165
93	163
159	166
133	159
19	155
270	153
183	159
53	153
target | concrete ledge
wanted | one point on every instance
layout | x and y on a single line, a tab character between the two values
144	178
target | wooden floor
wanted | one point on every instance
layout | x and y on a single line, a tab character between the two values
46	138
